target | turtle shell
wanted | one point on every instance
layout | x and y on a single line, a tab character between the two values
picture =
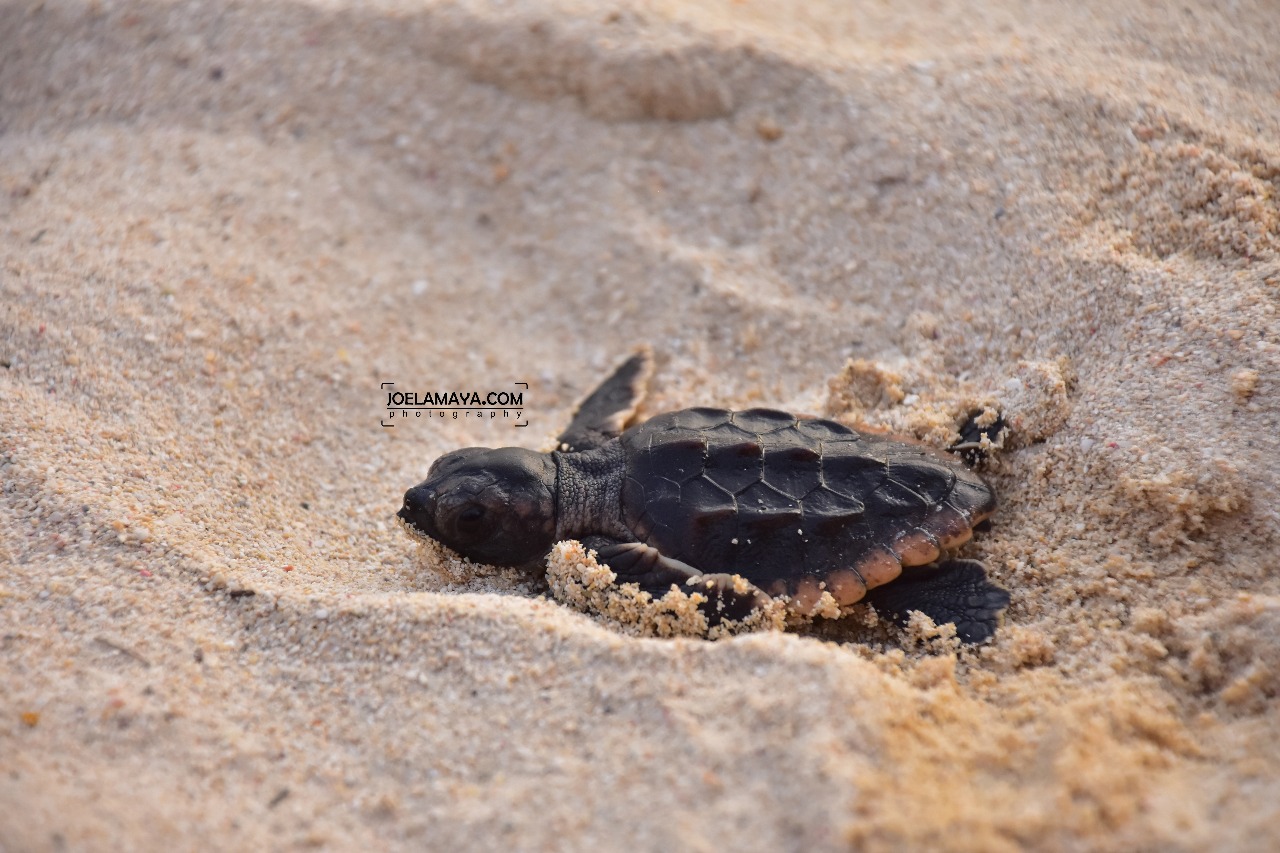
787	502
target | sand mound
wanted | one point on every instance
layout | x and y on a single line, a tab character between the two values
223	227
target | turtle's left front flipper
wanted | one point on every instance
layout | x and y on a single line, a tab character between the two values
605	413
728	597
953	591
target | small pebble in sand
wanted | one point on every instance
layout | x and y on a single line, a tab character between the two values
769	130
1244	383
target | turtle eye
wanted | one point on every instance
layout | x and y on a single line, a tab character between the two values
470	519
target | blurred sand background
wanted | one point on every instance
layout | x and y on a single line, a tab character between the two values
222	225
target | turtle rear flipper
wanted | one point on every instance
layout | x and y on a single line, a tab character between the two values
729	597
605	413
969	447
952	591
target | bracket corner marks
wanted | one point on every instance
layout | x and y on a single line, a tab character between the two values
525	386
384	387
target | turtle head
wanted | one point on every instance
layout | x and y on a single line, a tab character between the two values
491	506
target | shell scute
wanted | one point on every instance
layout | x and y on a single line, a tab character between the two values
697	418
735	466
892	498
702	498
829	512
823	428
764	512
676	455
766	551
762	421
853	474
707	522
794	471
729	433
633	492
791	440
971	499
928	479
762	498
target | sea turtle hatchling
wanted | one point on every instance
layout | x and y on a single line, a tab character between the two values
708	498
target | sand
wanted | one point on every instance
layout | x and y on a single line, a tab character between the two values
223	225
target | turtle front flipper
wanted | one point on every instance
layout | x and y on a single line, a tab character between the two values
605	413
953	591
728	596
640	564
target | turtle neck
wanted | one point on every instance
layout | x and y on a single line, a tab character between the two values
589	492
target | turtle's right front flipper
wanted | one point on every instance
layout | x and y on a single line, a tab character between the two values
605	413
953	591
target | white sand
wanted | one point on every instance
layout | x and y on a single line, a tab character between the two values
223	225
